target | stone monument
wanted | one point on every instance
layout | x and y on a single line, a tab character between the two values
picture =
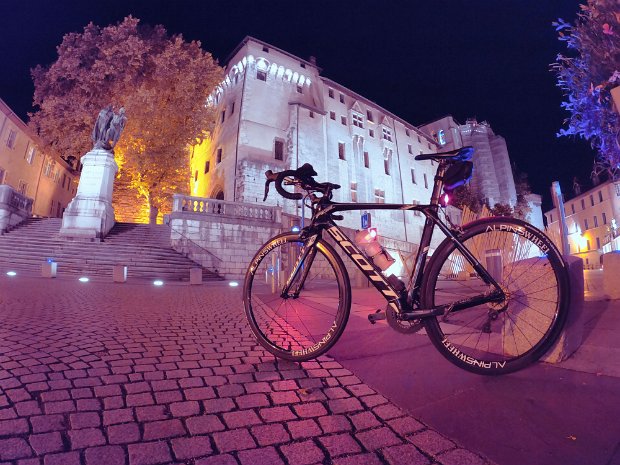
90	215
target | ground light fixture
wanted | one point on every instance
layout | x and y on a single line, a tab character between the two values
158	282
233	283
83	279
11	273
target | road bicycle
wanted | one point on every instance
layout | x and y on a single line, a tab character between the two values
492	298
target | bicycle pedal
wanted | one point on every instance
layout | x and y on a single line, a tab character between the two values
378	315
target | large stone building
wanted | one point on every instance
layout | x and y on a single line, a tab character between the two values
277	112
24	166
492	178
591	222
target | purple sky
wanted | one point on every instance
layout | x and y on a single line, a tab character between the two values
487	59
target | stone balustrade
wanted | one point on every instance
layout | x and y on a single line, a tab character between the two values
14	207
221	235
248	211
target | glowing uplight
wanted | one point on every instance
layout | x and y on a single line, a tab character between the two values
446	199
158	282
11	273
83	279
233	284
295	228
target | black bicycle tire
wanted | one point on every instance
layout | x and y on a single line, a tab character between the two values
433	327
344	292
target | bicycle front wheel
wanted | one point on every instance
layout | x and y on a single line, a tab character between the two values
306	324
498	337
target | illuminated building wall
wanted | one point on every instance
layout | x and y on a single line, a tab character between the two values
277	112
30	171
492	177
592	220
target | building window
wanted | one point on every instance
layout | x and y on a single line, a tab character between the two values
265	49
353	192
585	224
30	155
218	158
261	75
407	133
550	217
300	90
572	207
387	134
311	114
2	173
604	218
416	212
598	243
343	120
379	196
386	165
366	160
413	176
22	187
600	196
341	98
595	222
10	141
358	120
330	92
588	244
332	115
278	149
223	116
64	180
591	200
583	204
207	166
409	149
441	137
419	140
425	182
369	116
47	170
341	150
371	133
69	183
195	175
232	108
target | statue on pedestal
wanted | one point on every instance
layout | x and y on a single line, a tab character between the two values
108	128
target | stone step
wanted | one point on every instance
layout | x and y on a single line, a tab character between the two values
144	249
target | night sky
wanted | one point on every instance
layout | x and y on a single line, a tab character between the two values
487	59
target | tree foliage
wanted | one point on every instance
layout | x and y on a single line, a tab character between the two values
464	196
163	83
587	74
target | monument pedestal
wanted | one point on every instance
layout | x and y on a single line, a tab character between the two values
90	215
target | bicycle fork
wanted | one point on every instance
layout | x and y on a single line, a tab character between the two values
304	263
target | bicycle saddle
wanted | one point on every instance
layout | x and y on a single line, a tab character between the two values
462	154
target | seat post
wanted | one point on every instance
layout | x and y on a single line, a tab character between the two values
438	185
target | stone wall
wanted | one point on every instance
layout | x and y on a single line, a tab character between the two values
224	236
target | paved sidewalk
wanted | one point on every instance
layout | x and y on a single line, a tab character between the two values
131	374
546	414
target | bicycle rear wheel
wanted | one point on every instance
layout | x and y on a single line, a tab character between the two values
498	338
303	327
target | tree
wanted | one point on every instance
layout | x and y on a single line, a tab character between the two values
522	186
162	82
587	76
464	196
501	209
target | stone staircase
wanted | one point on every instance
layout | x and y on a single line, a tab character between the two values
145	249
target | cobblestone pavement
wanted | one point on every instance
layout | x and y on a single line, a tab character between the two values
132	374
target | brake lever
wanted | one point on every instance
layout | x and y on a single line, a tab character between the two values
270	179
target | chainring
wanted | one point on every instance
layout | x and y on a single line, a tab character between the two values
402	326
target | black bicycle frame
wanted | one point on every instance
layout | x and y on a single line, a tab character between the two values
408	302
